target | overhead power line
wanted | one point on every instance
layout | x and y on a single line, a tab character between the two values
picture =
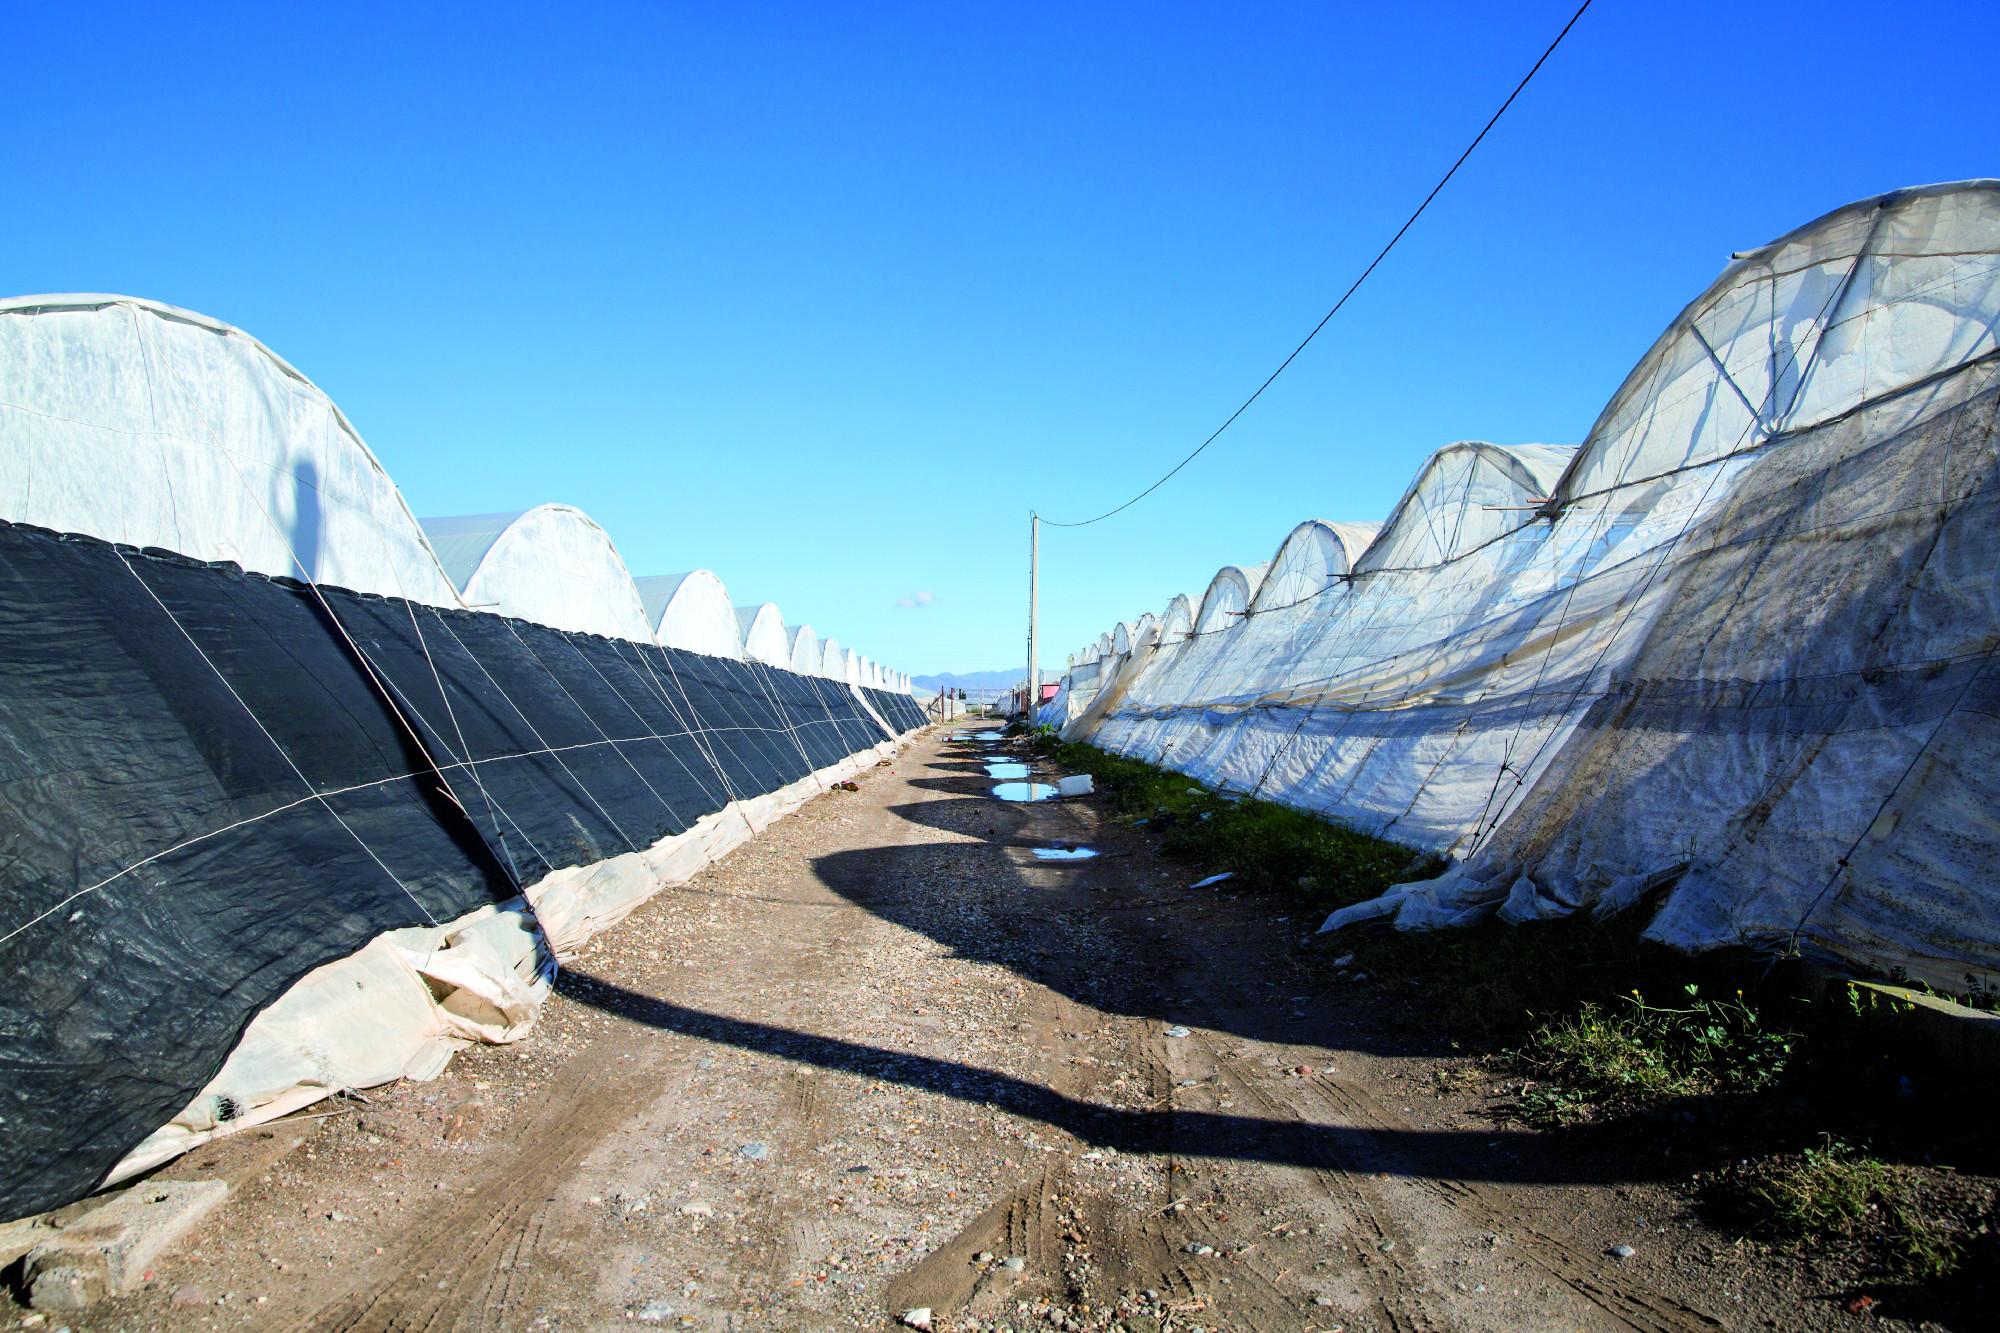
1352	288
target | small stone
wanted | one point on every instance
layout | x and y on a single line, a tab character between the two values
1196	1247
464	1120
1622	1251
1013	1263
1177	1031
698	1208
920	1317
1386	1246
1323	1301
983	1257
654	1312
755	1152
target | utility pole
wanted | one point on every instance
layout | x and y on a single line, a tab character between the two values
1034	690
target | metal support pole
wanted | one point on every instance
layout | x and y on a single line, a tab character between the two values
1034	690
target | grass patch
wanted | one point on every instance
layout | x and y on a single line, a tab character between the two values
1602	1060
1268	846
1836	1193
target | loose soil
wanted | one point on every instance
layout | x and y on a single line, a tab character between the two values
883	1058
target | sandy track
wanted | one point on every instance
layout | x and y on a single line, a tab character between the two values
871	1056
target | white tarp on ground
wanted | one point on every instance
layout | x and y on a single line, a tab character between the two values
1745	629
143	424
691	611
552	565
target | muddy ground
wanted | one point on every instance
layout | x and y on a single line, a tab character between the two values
882	1058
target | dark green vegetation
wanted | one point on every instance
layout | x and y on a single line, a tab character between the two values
1267	846
1799	1113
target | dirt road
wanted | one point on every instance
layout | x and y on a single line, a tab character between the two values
883	1058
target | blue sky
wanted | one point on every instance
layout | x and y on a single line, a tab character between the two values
781	291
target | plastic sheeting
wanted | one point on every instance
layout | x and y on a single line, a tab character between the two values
1736	642
194	821
764	638
552	565
691	611
269	839
804	655
220	782
137	422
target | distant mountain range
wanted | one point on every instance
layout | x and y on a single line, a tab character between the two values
969	680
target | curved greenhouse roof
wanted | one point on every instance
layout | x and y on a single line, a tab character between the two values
1228	597
117	414
1313	556
764	638
832	659
1466	495
551	564
804	654
691	611
1859	303
1177	621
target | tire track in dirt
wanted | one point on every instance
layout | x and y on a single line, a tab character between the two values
462	1270
1393	1285
949	1277
1629	1301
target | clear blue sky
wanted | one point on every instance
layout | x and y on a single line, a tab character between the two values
780	291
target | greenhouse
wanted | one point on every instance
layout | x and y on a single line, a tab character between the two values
303	795
1733	645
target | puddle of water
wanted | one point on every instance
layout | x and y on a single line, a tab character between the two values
1064	853
1003	768
1025	791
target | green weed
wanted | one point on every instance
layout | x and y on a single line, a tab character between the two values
1836	1192
1601	1061
1267	846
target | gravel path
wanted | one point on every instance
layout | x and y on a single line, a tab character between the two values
882	1060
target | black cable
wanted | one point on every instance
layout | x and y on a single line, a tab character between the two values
1407	224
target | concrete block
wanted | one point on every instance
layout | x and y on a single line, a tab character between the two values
17	1238
107	1251
1963	1040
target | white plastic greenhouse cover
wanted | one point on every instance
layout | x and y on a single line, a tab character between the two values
1736	643
551	564
136	423
691	611
832	659
1228	597
1466	495
804	650
1314	556
1177	621
219	450
764	638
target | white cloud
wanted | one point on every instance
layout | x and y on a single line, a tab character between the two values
924	598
